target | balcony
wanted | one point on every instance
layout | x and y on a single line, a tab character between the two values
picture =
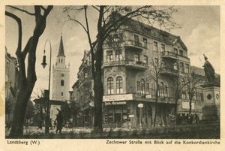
134	45
168	71
172	55
139	65
136	65
168	54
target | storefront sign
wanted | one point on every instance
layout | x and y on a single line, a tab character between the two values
132	115
114	98
115	103
140	105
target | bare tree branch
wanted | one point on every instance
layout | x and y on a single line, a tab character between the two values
22	10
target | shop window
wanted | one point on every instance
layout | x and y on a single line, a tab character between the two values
110	85
119	85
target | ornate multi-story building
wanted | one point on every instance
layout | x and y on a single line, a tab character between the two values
141	67
60	82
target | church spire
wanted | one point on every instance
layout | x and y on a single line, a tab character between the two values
61	48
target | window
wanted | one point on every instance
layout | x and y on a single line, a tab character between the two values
142	86
175	66
110	85
186	68
175	51
109	56
61	93
137	57
156	61
163	48
147	88
138	85
181	66
62	82
85	75
183	95
155	46
136	40
181	52
145	59
145	42
119	85
118	55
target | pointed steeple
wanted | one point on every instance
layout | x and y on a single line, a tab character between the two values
61	48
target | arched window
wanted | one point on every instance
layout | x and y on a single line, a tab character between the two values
119	85
110	85
62	82
142	86
161	89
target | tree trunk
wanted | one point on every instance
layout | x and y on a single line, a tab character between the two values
156	103
190	106
98	88
19	112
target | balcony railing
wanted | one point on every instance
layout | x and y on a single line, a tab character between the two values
169	54
128	63
167	70
135	44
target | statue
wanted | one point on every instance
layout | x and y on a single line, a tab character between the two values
209	70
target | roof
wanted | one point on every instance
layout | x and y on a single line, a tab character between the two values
61	48
151	31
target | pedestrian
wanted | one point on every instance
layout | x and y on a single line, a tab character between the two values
59	120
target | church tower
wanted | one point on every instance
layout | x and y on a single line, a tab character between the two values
61	77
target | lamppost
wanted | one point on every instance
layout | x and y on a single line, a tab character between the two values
47	122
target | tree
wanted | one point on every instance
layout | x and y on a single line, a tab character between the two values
29	112
109	20
27	76
192	83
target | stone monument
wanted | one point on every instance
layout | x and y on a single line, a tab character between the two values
211	109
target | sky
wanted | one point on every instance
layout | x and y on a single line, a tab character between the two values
200	31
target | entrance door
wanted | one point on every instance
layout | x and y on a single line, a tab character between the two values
118	118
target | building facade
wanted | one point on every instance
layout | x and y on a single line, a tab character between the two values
141	67
11	75
83	92
60	82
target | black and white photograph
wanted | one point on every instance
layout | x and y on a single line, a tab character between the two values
119	74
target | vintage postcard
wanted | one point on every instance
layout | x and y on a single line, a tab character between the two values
83	75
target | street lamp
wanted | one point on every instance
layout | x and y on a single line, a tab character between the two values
47	122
